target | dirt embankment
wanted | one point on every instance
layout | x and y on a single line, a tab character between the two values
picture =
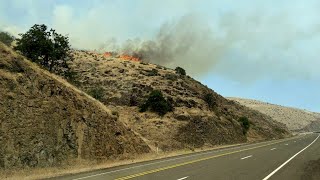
45	121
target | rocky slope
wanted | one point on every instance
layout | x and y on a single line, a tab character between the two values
45	121
295	119
123	85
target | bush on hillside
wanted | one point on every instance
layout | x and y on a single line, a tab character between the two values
209	99
171	77
46	47
244	121
152	72
156	103
6	38
97	93
180	70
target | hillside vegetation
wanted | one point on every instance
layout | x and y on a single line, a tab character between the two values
295	119
200	117
45	121
133	108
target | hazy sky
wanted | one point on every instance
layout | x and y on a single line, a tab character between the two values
265	50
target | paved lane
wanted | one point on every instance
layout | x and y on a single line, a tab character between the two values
254	161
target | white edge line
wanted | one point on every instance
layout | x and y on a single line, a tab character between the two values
273	172
171	159
273	149
183	157
183	178
246	157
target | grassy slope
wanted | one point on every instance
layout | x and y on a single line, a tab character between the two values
45	121
126	84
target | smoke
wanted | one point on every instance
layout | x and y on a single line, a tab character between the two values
243	41
242	48
188	42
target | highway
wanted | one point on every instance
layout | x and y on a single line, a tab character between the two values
274	160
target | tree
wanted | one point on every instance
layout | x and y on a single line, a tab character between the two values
46	47
156	103
6	38
181	71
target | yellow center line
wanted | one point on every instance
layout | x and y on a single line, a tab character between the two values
193	161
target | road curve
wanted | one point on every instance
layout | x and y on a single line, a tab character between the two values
272	160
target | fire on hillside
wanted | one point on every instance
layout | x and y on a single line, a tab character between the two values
130	58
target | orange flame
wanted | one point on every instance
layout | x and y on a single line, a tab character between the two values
107	54
131	58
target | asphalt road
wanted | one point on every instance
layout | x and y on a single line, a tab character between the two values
279	159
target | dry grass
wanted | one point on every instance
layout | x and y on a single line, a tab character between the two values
122	79
65	118
46	121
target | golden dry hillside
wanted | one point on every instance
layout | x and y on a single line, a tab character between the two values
295	119
123	85
45	121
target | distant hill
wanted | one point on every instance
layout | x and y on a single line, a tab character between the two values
124	83
295	119
45	121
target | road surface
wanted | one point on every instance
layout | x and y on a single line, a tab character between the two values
290	159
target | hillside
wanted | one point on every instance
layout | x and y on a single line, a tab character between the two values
123	85
45	121
295	119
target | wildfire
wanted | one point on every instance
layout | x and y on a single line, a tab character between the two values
107	54
131	58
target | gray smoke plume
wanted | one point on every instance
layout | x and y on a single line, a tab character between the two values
242	48
188	42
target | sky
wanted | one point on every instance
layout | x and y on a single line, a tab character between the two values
264	50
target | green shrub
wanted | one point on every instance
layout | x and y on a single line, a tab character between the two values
180	70
171	77
245	123
153	72
97	93
156	103
6	38
72	77
209	99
